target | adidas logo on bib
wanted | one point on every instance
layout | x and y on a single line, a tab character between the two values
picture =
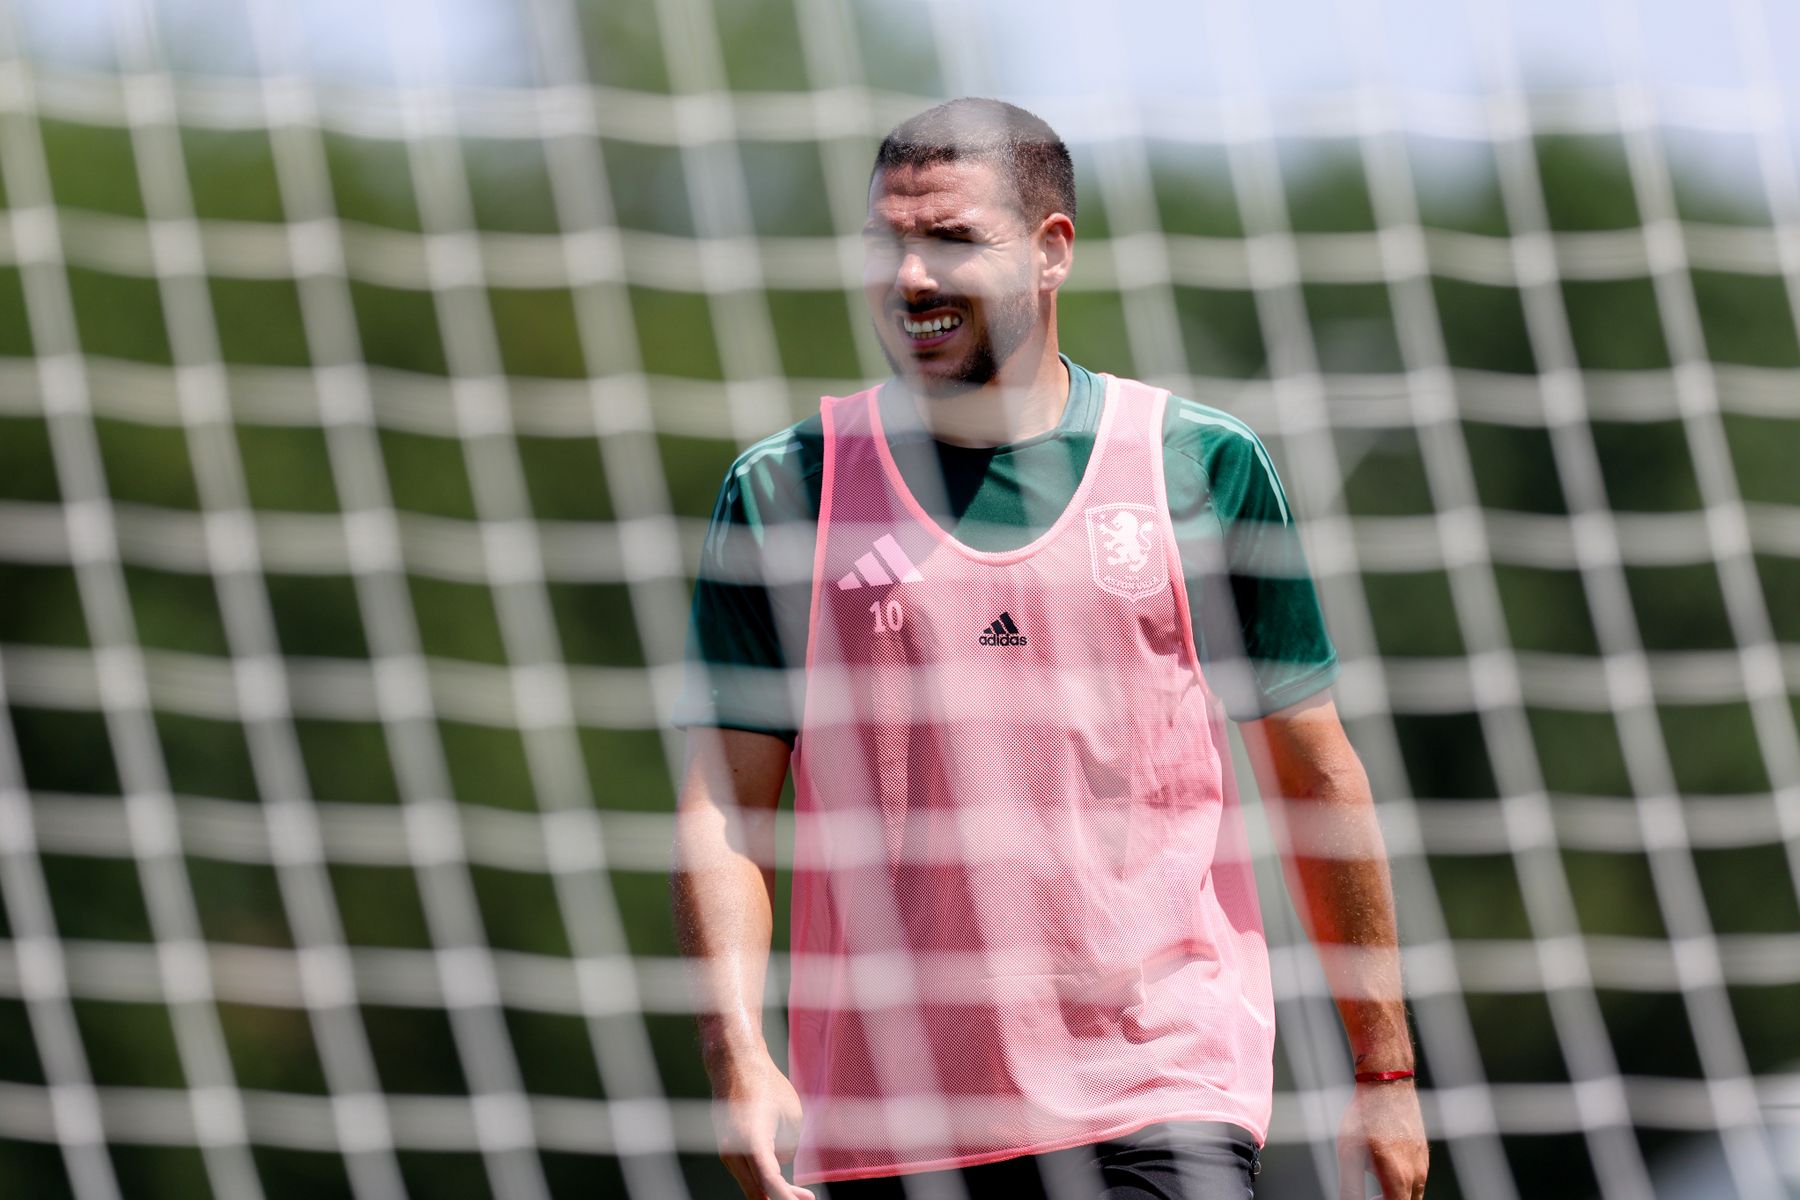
1002	633
869	571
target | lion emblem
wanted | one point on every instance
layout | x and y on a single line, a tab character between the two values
1122	541
1126	539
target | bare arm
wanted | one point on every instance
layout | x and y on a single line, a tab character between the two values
1319	797
723	888
723	882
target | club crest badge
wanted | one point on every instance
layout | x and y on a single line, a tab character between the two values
1124	545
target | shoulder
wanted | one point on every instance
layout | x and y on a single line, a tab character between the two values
794	452
786	459
1223	452
1207	434
774	481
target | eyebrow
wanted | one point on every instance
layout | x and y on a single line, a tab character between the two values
936	228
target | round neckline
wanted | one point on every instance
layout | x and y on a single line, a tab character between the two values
896	481
915	432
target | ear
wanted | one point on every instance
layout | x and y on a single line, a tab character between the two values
1055	242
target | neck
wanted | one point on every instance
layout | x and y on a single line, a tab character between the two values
1024	399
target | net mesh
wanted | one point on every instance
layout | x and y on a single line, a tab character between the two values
366	376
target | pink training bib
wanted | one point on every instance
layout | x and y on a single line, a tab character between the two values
1024	915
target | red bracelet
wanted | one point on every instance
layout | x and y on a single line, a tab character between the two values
1382	1076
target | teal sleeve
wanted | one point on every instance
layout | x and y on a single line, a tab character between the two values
1290	653
746	640
1257	620
734	662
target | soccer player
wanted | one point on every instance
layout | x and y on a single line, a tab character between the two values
993	614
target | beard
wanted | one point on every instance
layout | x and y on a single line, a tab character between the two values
1007	324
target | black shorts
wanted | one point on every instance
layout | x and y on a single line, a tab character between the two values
1171	1160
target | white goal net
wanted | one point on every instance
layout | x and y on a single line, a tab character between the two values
368	371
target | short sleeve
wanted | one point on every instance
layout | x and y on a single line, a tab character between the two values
747	622
1257	619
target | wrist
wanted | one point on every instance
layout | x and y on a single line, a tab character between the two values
1396	1075
1384	1052
727	1047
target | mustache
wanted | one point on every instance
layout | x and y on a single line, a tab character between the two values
933	305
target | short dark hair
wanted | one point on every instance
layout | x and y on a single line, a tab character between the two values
977	129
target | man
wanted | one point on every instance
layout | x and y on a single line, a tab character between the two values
992	612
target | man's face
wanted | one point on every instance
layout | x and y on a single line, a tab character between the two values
949	273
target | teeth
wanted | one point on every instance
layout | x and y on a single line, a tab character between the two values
935	325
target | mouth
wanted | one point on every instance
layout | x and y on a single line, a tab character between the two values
926	330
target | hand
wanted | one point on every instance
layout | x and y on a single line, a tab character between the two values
756	1113
1383	1132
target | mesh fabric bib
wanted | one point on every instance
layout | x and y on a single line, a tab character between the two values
1024	915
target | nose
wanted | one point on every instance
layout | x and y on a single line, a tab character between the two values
913	276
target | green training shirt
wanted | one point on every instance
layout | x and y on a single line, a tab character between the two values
1257	623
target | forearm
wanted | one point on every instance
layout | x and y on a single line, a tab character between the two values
724	922
723	885
1340	869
